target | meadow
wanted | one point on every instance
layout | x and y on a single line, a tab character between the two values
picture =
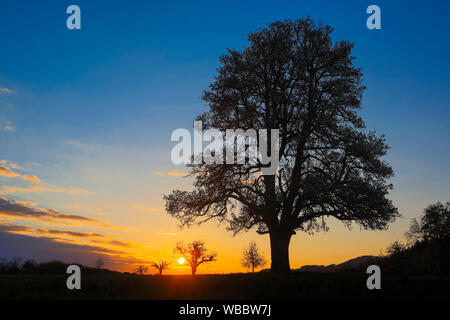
258	286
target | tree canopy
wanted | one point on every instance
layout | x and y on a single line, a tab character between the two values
434	223
294	78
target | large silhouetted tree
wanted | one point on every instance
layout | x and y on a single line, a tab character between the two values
195	253
294	78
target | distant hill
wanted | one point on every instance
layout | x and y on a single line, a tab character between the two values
349	265
51	267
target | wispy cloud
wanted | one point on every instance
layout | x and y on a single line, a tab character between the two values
143	208
10	164
7	172
46	248
6	90
30	178
9	227
11	208
15	166
173	173
84	146
4	190
117	243
169	234
6	125
176	173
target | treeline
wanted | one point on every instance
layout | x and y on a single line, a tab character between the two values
425	257
427	247
15	266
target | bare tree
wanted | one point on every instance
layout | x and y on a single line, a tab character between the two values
294	78
160	266
252	257
15	264
99	263
415	232
195	253
140	269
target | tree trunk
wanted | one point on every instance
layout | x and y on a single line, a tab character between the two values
279	249
253	268
194	270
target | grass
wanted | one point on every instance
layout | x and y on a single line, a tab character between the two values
231	286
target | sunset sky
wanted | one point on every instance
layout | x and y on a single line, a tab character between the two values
86	117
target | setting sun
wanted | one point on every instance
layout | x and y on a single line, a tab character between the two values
181	260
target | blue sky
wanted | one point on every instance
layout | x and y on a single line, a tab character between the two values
94	108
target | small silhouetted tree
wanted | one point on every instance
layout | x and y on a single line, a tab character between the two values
99	263
415	232
395	248
30	266
14	265
292	77
252	257
140	269
195	253
3	265
160	266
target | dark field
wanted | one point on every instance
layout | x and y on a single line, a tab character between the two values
234	286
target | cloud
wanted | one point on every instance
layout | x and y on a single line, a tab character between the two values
48	249
173	173
39	188
117	243
6	90
42	245
176	173
7	172
11	208
169	234
15	166
27	203
31	178
90	237
84	146
14	228
23	209
72	233
8	227
10	164
120	243
142	208
6	125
